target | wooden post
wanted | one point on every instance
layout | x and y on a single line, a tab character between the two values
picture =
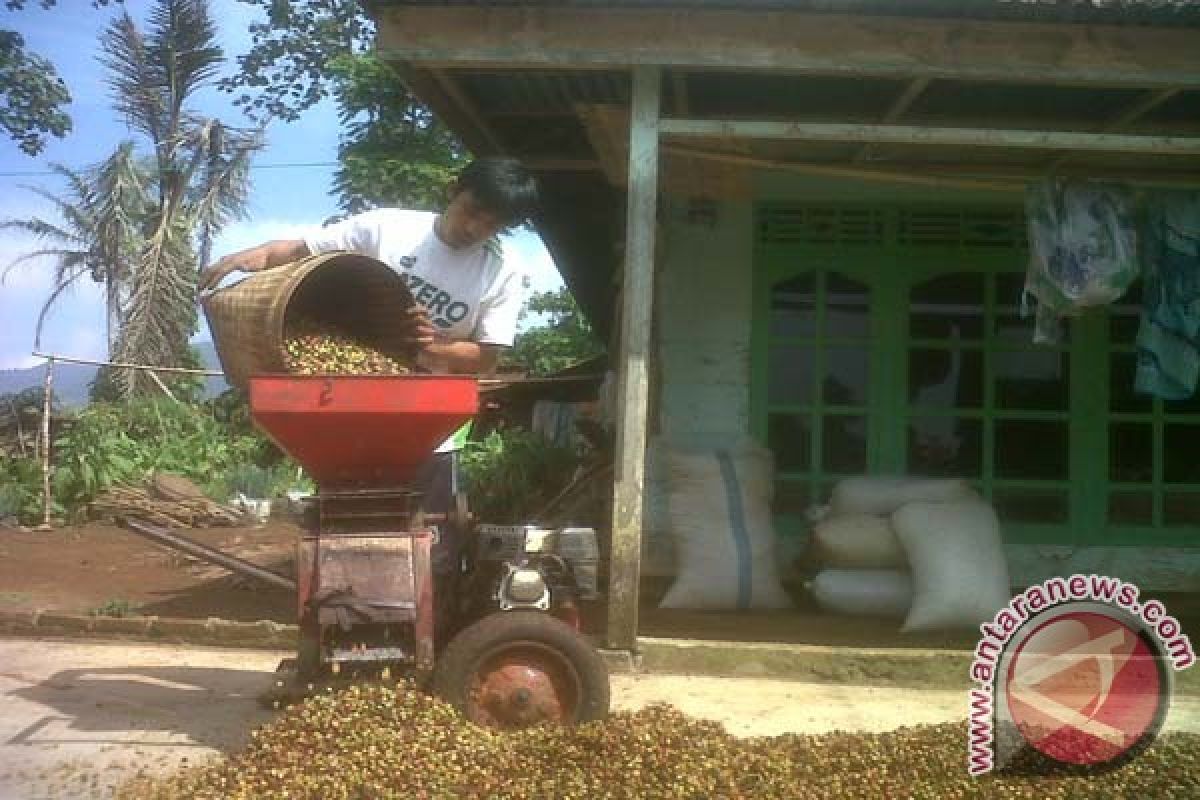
47	394
637	303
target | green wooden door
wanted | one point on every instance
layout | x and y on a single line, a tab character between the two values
888	340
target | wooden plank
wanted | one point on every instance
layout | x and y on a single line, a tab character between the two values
915	176
422	84
1149	101
637	303
899	106
808	43
455	92
921	135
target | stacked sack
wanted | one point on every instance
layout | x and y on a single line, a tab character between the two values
927	550
719	508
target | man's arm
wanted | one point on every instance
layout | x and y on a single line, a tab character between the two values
256	259
463	357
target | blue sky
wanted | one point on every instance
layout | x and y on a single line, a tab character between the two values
284	200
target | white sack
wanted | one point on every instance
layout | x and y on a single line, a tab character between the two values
960	576
719	503
857	541
883	495
863	592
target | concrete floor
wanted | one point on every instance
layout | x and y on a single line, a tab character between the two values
77	718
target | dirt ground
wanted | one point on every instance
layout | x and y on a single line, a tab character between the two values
104	568
97	566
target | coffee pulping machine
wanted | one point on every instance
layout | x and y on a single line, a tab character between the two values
509	653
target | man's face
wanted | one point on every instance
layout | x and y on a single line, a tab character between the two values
465	223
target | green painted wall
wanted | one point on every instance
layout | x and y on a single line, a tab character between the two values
704	339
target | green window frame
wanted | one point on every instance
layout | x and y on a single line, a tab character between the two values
888	257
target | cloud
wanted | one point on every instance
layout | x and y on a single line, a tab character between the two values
250	233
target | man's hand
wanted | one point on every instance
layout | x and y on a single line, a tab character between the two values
256	259
422	333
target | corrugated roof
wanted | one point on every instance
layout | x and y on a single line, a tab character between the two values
1127	12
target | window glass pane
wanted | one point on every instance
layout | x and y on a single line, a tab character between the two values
1181	453
847	307
1033	380
1012	328
790	377
1124	317
846	376
1122	397
1181	508
1009	286
793	307
1131	508
1189	406
844	446
790	438
948	307
1131	452
1031	450
945	447
1030	505
945	378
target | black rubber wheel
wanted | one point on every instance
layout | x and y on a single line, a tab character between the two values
514	669
308	656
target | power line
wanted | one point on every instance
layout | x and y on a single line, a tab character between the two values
295	165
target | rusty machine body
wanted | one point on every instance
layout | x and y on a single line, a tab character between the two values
510	653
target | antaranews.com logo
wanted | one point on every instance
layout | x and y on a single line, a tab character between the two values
1073	671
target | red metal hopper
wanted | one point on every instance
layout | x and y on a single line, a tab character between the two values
360	431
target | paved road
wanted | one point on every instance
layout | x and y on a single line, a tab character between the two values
77	718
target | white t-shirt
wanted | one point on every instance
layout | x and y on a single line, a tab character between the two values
470	294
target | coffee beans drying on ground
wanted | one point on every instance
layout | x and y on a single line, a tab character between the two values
383	742
317	349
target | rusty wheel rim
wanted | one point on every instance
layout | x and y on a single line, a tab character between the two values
524	683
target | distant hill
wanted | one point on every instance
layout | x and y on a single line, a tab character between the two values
71	381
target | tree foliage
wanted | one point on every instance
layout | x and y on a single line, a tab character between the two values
33	98
392	150
562	337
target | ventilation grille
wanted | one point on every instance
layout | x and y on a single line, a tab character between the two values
821	225
968	228
910	227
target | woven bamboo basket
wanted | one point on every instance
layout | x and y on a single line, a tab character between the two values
358	295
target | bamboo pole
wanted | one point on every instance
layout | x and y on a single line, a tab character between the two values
158	381
124	365
47	394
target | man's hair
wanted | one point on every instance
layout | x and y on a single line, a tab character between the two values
502	186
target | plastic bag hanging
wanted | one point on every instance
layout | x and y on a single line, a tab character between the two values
1082	250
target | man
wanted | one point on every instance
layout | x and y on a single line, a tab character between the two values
467	298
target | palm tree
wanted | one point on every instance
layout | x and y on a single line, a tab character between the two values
199	180
96	237
142	226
